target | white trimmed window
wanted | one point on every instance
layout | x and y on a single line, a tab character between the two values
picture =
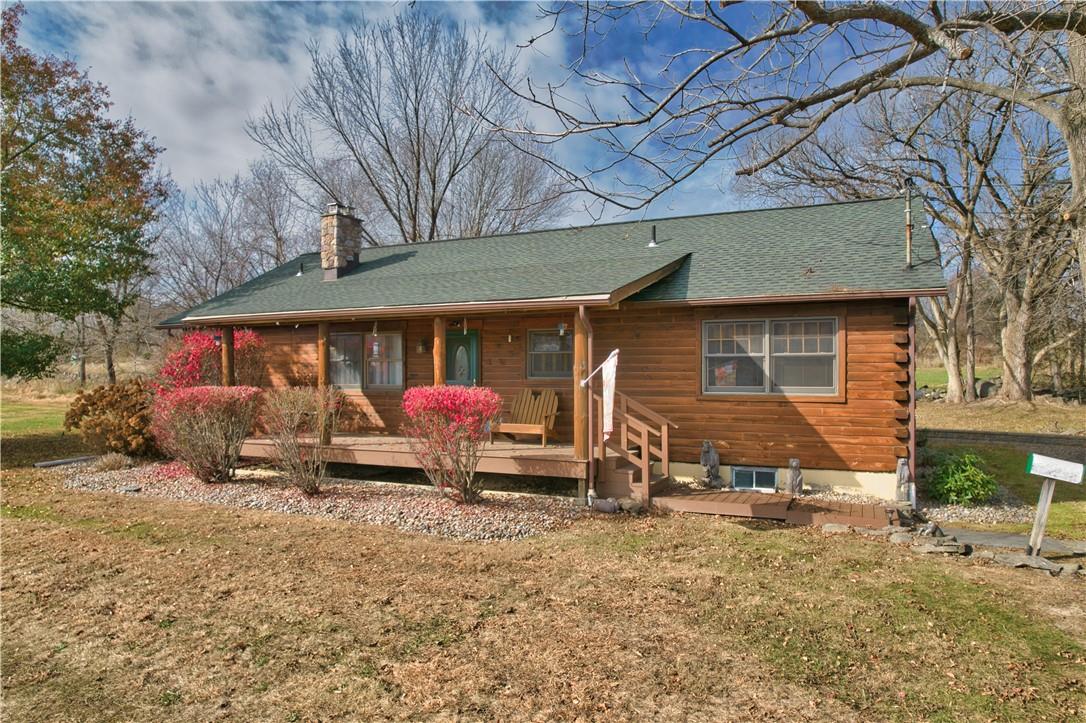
770	356
344	360
762	479
380	355
384	360
550	355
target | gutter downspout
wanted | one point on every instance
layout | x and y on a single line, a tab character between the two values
591	404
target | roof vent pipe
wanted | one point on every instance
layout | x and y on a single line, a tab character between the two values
908	223
652	241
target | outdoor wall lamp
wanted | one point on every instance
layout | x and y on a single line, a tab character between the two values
562	329
421	346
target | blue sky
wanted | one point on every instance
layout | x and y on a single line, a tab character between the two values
192	73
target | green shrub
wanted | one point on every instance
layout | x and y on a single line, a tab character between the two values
114	418
959	479
28	354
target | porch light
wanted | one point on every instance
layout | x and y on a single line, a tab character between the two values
421	346
510	339
562	329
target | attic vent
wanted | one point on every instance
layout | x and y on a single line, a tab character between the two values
652	241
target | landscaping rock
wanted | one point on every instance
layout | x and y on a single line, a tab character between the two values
630	504
1070	568
940	546
131	489
834	528
901	538
878	531
609	505
931	530
1020	559
984	555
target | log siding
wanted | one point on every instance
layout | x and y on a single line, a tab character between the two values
862	428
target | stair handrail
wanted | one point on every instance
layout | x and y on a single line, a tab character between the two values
623	413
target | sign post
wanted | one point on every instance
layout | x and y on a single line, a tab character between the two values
1051	469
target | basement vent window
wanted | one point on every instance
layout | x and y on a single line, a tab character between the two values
759	479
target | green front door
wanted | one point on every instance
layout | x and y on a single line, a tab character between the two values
462	358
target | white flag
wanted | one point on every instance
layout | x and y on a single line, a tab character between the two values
609	368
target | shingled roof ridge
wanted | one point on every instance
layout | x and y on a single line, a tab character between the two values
660	219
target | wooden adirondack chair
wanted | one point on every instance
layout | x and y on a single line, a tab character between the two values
534	412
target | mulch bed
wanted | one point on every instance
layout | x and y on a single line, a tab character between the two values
501	516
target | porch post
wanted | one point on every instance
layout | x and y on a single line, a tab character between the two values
439	350
322	354
323	370
580	394
227	344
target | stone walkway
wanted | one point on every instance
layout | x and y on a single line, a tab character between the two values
1049	546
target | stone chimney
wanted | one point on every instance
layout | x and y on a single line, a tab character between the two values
341	241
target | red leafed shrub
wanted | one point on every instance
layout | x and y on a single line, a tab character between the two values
447	427
203	427
196	360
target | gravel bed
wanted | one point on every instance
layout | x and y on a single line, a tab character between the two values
501	516
1004	509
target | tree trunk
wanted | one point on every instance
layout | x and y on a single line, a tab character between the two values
952	363
82	346
1016	357
970	339
1057	376
1073	129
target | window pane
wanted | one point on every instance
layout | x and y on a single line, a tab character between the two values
825	344
803	371
345	360
765	478
550	355
384	355
743	478
727	372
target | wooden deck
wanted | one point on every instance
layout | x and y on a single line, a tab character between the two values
769	506
500	457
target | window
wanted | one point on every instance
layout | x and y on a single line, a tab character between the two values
754	478
383	360
550	355
344	360
770	356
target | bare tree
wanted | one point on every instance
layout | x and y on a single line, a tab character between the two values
205	246
777	73
281	223
402	100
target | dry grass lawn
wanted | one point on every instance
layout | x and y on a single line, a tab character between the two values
117	607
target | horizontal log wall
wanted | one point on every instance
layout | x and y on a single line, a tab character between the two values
866	430
659	365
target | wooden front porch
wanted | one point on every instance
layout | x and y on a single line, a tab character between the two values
499	457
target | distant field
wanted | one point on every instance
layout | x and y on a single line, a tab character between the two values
32	430
936	376
29	417
996	416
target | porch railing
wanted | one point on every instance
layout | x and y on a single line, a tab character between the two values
635	425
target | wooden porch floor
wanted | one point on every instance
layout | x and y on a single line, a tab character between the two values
500	457
769	506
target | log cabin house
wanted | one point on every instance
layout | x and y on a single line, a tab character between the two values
775	334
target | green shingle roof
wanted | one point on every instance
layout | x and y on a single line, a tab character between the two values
840	248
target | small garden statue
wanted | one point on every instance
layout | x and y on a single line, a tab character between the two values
795	477
710	463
